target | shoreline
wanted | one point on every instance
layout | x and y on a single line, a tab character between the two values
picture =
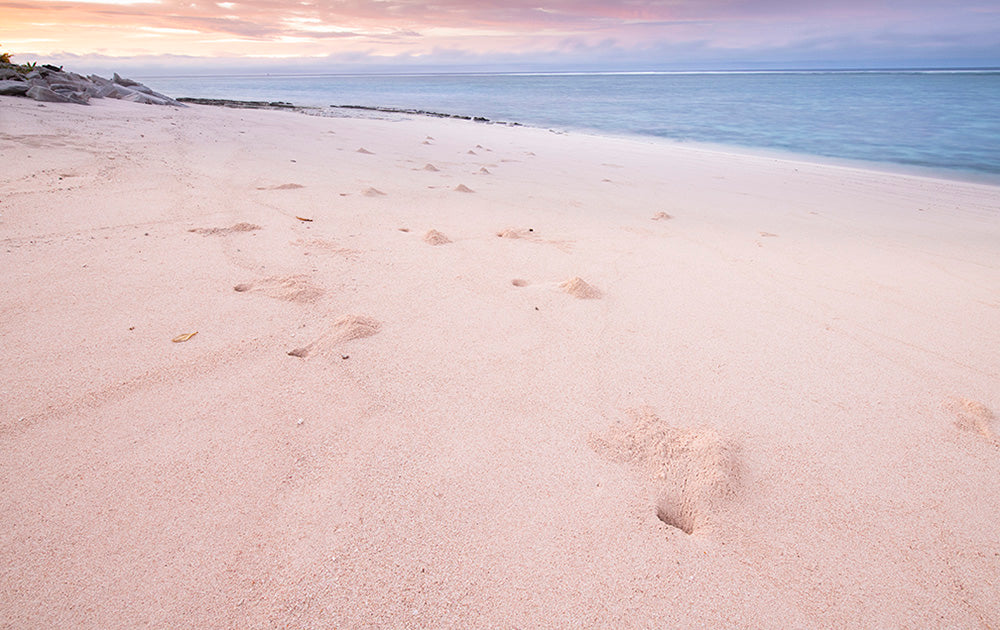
914	170
270	370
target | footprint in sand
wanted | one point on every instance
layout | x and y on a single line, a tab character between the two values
516	233
373	192
693	473
294	288
484	171
433	237
364	151
431	167
344	328
463	188
517	282
579	289
974	417
290	186
236	227
662	216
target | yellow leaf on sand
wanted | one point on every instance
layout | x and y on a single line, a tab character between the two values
303	219
184	337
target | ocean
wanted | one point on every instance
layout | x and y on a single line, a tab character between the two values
935	121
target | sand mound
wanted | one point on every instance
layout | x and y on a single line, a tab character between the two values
236	227
290	186
434	237
484	171
430	167
515	233
365	151
295	288
348	327
463	188
345	328
580	289
373	192
662	216
974	417
694	471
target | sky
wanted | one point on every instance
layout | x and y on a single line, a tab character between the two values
207	36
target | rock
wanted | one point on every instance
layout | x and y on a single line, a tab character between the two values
13	88
126	82
113	91
55	85
46	95
139	97
80	98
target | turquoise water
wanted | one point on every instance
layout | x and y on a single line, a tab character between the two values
947	121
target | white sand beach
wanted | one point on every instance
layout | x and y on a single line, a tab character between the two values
457	375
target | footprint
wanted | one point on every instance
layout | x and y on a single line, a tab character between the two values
463	188
579	289
517	282
974	417
294	288
373	192
290	186
693	472
516	233
661	216
484	171
431	167
433	237
344	328
236	227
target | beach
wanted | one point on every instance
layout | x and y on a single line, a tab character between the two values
449	374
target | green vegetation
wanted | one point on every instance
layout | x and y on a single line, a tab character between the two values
23	68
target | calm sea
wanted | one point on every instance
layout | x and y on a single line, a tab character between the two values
946	121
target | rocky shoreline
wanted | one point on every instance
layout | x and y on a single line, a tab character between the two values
320	111
51	84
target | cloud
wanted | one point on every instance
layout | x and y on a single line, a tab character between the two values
502	32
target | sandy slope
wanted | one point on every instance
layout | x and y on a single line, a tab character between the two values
513	425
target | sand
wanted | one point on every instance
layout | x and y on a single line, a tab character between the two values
781	412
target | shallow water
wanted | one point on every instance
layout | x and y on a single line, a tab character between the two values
940	120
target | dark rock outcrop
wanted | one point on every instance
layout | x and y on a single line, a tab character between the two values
54	85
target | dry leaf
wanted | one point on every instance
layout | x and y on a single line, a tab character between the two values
184	337
303	219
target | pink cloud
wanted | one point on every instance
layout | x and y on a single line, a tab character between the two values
234	28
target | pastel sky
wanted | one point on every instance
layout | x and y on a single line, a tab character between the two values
349	35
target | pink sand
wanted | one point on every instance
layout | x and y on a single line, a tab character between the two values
800	366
